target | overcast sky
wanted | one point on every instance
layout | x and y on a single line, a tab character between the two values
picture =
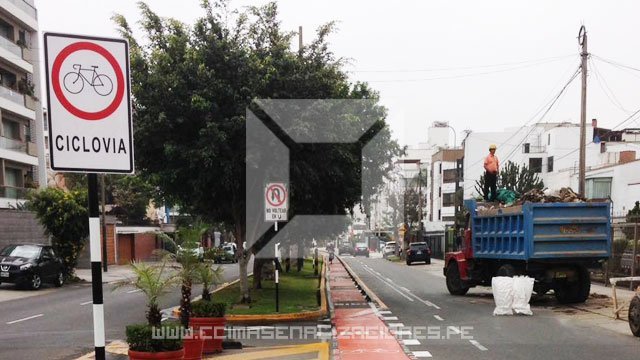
480	65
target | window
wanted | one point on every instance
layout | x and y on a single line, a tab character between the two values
526	148
11	129
440	191
440	168
598	188
439	214
448	199
550	164
449	176
535	164
448	218
6	30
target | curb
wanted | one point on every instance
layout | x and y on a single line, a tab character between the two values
176	309
372	295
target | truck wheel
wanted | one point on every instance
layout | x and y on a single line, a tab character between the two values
506	270
454	283
576	291
634	316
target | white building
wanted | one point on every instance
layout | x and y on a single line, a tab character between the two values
20	109
552	149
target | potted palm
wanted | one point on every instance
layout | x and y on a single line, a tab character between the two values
153	281
207	316
189	258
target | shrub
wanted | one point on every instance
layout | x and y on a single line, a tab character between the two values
203	308
140	338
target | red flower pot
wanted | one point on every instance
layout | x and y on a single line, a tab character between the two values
165	355
193	348
213	331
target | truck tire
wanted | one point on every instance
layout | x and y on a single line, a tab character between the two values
454	283
634	316
576	291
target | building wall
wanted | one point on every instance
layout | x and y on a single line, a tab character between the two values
145	243
20	227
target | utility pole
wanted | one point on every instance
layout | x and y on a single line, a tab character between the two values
300	40
582	40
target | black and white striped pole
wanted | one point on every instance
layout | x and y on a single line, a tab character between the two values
96	267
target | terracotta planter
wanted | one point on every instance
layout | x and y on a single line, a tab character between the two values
193	348
166	355
213	329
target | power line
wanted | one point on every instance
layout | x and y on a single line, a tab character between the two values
462	67
462	75
615	63
606	89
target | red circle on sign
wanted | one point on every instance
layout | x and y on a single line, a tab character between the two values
55	80
280	200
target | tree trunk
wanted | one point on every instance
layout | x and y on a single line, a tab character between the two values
300	256
258	264
287	259
185	303
243	263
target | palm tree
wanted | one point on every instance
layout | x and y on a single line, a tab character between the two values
153	281
207	276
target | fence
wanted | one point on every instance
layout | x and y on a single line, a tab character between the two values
624	248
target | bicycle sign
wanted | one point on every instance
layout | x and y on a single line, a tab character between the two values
89	103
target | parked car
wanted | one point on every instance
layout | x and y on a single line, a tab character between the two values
345	249
361	249
389	248
198	252
230	249
30	265
418	251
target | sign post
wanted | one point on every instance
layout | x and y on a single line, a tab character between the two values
276	203
89	103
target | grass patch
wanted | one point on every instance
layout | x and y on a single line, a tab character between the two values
297	293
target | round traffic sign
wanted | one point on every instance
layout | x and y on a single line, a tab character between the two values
276	195
104	83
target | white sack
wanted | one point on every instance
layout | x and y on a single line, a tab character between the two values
502	287
522	290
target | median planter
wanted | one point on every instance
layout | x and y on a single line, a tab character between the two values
207	319
193	347
144	345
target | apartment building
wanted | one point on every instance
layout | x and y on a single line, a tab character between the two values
20	109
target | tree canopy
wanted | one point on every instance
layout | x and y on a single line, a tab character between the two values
192	87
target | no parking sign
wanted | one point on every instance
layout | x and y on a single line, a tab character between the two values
88	98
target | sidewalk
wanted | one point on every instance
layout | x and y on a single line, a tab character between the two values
351	315
114	273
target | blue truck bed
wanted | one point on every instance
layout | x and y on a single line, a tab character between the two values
541	231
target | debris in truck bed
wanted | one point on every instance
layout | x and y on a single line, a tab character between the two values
565	195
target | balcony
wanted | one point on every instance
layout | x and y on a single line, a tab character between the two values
16	55
11	46
23	11
17	102
13	144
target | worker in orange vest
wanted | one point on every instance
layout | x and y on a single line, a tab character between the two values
491	168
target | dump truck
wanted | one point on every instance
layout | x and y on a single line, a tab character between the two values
554	243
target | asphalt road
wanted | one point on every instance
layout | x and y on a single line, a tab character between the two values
58	324
434	322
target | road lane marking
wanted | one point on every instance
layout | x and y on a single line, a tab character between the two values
395	325
404	288
133	291
411	342
24	319
388	318
438	317
454	329
384	312
421	354
392	287
86	303
401	333
477	344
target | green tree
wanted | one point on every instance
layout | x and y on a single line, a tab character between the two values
131	196
64	217
514	177
192	87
